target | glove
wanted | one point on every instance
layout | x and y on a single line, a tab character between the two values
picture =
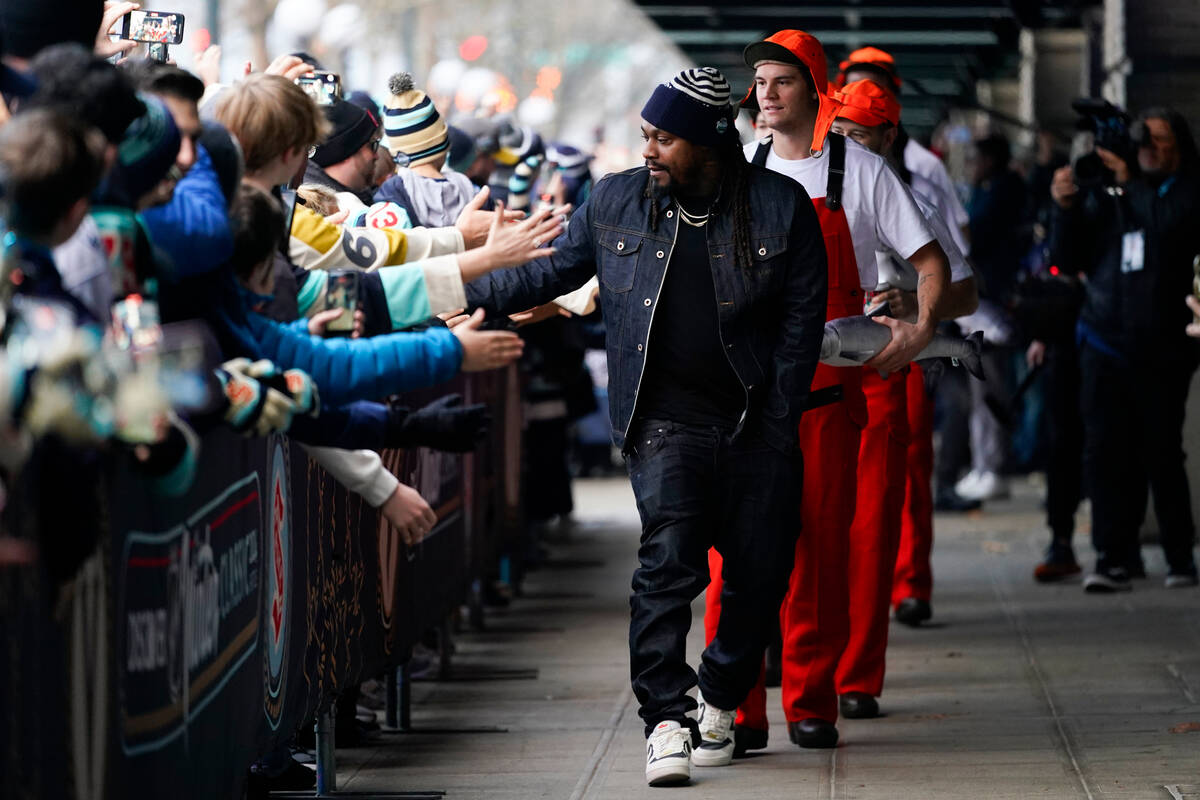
254	408
444	424
294	383
303	390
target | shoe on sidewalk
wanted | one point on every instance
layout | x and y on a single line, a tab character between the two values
858	705
1181	580
986	486
1058	565
912	611
966	484
1107	581
669	754
716	735
813	733
947	499
746	739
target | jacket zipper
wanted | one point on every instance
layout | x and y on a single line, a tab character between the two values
650	328
721	338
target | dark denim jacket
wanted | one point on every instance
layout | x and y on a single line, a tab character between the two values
772	316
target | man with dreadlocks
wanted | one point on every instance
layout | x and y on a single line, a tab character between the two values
712	283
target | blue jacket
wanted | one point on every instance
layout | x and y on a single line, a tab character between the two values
772	316
193	229
345	370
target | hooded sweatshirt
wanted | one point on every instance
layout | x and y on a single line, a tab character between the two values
430	202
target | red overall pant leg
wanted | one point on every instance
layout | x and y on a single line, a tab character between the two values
875	532
913	576
815	611
752	713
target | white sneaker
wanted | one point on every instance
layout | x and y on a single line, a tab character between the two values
668	754
716	736
966	484
987	486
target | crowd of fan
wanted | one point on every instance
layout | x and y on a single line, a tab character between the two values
181	255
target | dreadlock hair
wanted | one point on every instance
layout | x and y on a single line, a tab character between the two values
735	179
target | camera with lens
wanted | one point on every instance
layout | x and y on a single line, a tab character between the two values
1113	129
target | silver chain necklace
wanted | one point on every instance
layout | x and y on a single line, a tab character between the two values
695	220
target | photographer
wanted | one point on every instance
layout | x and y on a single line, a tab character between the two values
1131	231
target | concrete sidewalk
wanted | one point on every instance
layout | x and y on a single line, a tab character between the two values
1015	691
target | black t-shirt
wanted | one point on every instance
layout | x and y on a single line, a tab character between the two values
688	377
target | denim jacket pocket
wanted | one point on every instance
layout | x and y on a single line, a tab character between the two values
618	259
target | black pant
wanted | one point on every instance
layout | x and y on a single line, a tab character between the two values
696	489
1064	424
1133	440
953	398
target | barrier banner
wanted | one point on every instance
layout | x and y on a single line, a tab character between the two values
206	629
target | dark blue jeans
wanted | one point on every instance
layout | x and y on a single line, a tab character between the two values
696	489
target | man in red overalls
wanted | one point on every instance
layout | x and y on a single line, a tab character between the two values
862	207
870	115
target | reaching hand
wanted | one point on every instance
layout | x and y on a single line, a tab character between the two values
290	67
538	314
475	224
113	11
513	244
253	407
907	341
484	350
409	514
208	65
454	318
445	424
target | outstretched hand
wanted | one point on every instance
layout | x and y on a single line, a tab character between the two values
514	243
485	350
475	224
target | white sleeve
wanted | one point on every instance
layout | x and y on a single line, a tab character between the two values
360	471
582	301
940	178
899	223
960	270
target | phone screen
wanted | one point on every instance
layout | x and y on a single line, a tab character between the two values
342	292
162	27
323	87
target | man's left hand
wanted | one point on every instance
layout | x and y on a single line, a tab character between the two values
907	341
901	304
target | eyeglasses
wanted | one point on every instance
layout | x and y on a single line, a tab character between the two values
374	143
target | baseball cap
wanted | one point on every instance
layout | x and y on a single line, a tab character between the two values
802	50
867	103
873	59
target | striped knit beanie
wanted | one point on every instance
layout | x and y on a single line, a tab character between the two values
411	124
694	106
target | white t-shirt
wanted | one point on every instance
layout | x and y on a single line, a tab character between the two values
922	161
898	272
880	210
925	189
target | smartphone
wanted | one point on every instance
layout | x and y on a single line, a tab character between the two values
163	27
157	51
323	87
342	292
